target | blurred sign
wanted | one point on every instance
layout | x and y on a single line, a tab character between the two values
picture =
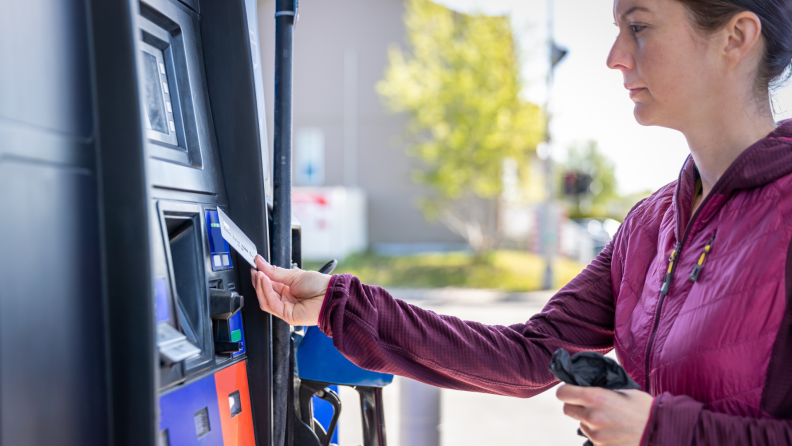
333	221
310	162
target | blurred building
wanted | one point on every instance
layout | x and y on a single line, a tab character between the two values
343	134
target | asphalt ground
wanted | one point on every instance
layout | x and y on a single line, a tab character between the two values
468	419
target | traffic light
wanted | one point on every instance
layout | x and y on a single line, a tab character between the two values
576	183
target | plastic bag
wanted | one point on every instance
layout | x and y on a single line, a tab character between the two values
590	369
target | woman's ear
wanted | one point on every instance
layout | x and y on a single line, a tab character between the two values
743	33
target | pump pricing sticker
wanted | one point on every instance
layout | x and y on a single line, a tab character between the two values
236	238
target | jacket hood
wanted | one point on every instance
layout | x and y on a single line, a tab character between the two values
763	162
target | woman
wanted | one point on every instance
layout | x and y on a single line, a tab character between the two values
694	290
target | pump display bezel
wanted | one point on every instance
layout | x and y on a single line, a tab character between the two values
172	28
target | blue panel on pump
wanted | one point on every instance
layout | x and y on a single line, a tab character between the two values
161	304
218	247
318	360
191	416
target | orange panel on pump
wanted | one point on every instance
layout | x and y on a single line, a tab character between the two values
232	388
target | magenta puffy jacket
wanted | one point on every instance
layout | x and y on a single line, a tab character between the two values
698	308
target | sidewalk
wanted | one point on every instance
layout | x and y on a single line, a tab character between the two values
472	419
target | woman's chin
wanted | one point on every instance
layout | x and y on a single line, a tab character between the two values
643	115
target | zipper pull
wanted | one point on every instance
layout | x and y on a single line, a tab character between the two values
697	269
669	275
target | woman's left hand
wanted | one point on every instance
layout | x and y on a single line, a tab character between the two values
608	417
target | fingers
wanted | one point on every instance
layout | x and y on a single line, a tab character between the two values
278	287
592	433
584	396
574	395
575	412
584	403
284	276
260	262
607	417
269	299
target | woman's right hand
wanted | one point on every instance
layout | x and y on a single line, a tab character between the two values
294	295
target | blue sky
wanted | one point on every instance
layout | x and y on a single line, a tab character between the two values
588	99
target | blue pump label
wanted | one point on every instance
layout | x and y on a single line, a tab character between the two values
218	247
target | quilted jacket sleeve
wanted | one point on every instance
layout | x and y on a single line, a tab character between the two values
682	421
380	333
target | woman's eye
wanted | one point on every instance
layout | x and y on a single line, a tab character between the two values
636	28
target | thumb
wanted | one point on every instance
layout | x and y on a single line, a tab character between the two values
284	276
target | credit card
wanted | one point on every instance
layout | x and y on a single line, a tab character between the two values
236	238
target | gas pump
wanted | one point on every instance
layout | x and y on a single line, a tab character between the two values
181	140
125	126
130	125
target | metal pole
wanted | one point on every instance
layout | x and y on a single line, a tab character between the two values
549	224
419	414
285	14
350	118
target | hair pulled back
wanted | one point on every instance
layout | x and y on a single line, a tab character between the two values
776	18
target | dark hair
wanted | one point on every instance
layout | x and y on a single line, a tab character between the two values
712	15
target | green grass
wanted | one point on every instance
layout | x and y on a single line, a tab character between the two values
504	270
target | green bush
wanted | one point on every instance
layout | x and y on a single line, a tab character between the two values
512	271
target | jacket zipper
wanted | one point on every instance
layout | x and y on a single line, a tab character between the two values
669	277
697	269
670	273
663	292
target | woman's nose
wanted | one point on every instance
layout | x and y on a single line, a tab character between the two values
620	58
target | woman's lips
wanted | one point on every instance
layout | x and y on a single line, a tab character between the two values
634	91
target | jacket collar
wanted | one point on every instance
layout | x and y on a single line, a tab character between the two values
763	162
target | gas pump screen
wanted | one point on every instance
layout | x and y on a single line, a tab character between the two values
155	105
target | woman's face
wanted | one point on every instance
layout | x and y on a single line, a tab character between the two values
670	70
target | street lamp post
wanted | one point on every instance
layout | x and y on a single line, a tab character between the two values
549	223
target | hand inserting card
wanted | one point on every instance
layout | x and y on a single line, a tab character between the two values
236	238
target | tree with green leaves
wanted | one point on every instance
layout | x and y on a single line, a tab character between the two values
460	87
